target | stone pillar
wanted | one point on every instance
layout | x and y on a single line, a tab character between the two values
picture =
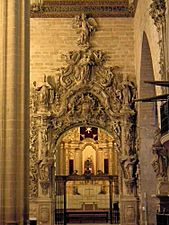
14	120
129	160
62	166
111	162
78	160
99	155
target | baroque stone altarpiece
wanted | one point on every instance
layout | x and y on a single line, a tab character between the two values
83	93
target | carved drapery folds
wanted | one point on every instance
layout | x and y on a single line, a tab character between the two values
160	162
157	12
84	92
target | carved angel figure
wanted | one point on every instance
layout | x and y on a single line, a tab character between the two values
85	27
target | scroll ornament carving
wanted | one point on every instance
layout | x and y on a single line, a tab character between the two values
157	12
160	162
33	184
86	72
37	7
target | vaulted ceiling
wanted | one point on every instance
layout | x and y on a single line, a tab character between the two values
70	8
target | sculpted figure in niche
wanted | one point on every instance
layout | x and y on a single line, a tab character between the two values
160	162
88	165
46	95
129	166
86	64
45	166
128	92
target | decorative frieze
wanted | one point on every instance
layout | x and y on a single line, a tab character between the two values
106	8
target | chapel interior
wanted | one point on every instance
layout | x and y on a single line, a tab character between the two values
84	119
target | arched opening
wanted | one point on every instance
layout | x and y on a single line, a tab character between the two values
89	177
147	124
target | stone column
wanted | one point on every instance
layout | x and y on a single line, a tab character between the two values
62	166
128	197
78	160
14	120
100	159
111	162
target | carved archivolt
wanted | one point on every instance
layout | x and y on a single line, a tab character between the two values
84	92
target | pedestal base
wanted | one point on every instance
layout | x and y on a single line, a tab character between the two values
129	210
42	211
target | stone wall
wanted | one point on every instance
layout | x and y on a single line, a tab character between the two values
50	38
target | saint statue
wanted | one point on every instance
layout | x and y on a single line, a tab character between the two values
88	165
45	165
128	92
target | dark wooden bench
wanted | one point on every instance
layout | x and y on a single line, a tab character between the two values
93	216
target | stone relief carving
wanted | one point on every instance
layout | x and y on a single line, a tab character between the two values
85	27
44	214
129	168
46	159
85	92
44	166
128	91
33	172
157	12
160	162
